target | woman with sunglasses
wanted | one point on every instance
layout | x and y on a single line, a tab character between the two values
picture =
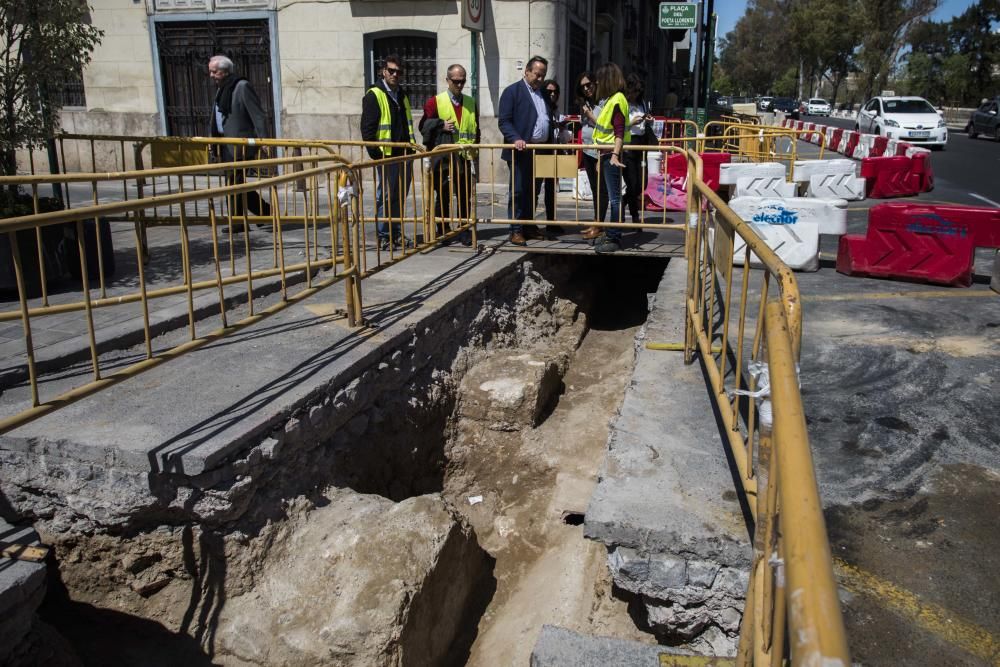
557	125
586	89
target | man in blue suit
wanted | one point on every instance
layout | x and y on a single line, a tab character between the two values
523	119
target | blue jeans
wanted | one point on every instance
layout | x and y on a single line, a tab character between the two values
397	186
612	177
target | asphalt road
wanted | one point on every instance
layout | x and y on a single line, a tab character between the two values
966	172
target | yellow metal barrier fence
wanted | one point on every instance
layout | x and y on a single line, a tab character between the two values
341	245
750	352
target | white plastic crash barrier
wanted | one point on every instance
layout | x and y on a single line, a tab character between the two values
864	147
829	214
796	245
791	227
805	169
829	137
764	186
830	179
836	186
730	172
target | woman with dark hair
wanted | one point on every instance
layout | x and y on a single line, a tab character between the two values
586	90
611	132
557	122
635	168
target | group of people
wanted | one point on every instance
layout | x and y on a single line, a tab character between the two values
613	115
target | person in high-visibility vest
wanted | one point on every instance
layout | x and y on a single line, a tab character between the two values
610	132
386	116
452	118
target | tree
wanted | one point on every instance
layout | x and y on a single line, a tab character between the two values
886	24
43	43
755	54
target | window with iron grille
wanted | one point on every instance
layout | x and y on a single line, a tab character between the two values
419	53
70	93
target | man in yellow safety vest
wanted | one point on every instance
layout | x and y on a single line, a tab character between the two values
386	116
451	117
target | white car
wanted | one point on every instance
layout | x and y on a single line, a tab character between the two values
817	106
910	119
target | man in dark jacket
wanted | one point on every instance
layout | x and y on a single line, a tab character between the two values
237	113
386	116
523	118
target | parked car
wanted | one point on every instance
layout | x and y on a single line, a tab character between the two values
985	120
817	106
911	119
764	103
785	104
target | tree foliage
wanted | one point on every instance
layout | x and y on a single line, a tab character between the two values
42	44
956	62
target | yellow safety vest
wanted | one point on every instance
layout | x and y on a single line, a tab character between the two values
467	126
385	118
604	131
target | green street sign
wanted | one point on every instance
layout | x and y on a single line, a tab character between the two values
678	15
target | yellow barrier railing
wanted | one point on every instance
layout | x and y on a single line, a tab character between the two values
338	260
792	595
749	351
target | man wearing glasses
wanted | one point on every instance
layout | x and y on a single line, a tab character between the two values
523	118
451	117
386	116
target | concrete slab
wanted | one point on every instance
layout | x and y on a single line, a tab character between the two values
559	647
267	366
666	484
22	587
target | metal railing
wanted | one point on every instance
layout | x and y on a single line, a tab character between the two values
748	336
749	339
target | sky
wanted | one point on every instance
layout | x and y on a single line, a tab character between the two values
730	11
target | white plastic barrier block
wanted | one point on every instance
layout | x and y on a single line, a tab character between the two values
836	186
892	147
763	186
845	139
805	169
830	215
796	245
730	172
829	137
913	150
864	147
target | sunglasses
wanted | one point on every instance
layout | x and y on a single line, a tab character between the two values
552	91
393	71
458	82
589	84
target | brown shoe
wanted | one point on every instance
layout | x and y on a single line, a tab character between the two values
591	233
517	238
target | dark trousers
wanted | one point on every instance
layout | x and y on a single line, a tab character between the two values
392	185
248	201
635	182
523	189
597	189
452	182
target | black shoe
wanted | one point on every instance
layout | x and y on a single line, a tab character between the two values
555	229
383	243
465	239
605	246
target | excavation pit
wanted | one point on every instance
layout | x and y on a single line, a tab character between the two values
404	495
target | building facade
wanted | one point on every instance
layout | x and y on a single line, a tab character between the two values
311	61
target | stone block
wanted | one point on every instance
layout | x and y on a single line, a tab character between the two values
510	391
22	588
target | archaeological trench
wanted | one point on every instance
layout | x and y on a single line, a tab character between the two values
432	504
